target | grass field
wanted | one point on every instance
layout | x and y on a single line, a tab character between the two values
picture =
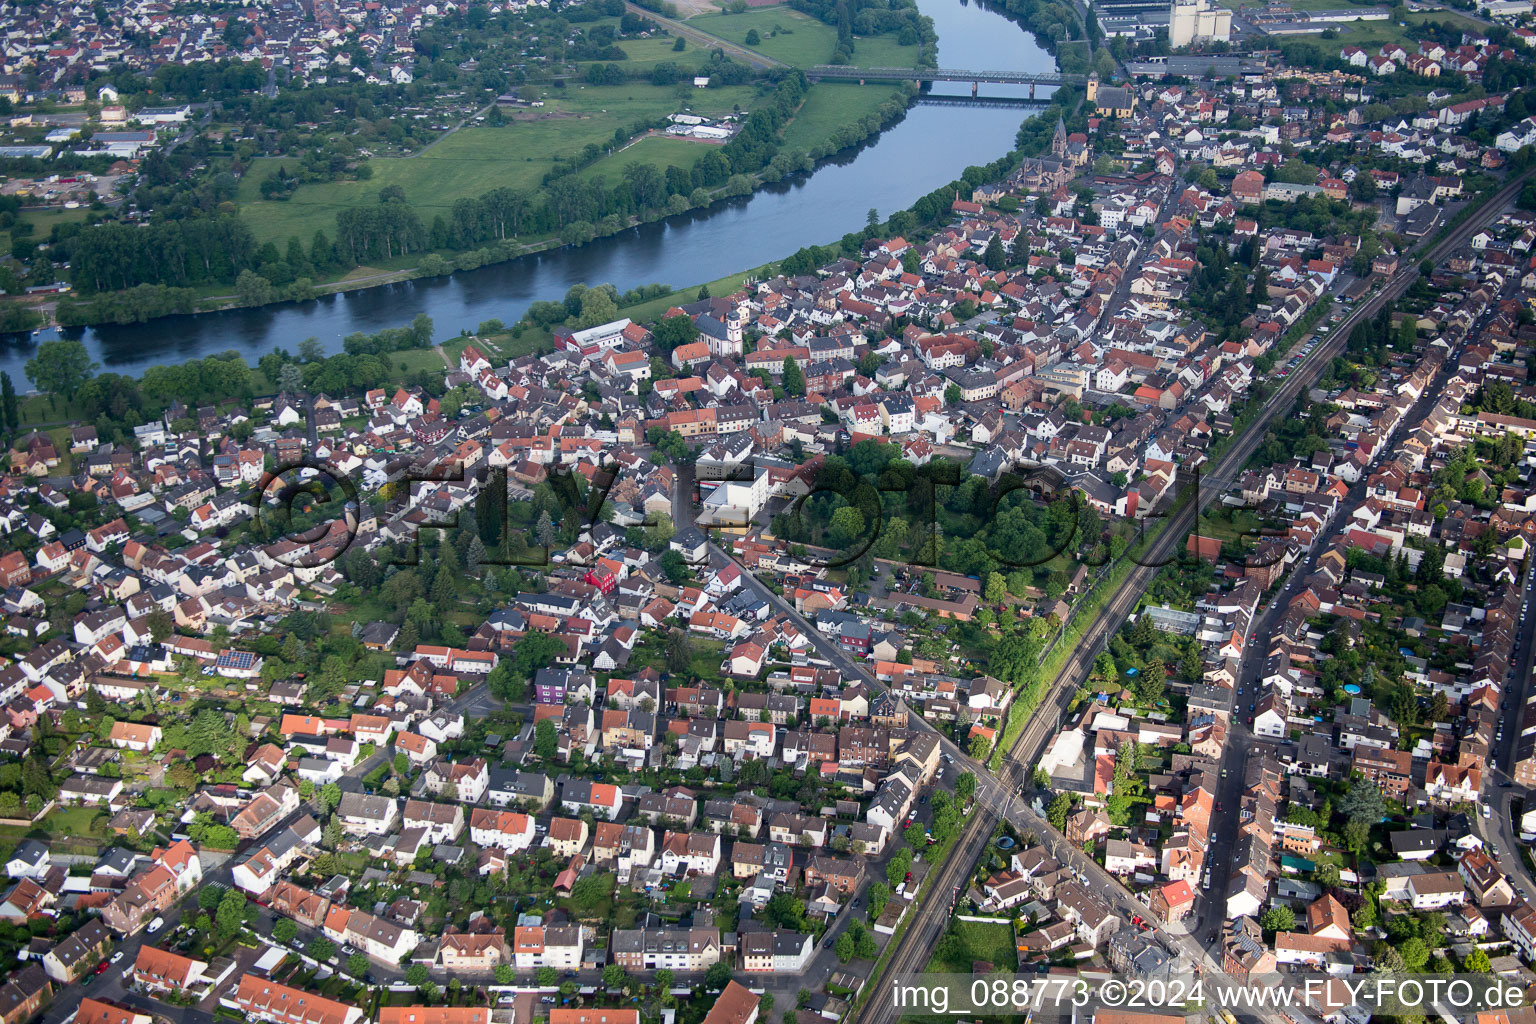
829	106
787	34
658	152
807	40
1375	33
42	222
474	160
1364	33
978	941
646	53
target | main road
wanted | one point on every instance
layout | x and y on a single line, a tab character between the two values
931	915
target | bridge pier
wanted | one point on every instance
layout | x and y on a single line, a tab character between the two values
974	86
1031	90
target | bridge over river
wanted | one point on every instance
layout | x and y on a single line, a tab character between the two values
842	73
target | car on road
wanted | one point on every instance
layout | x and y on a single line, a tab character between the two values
155	925
115	957
1505	784
101	968
1486	810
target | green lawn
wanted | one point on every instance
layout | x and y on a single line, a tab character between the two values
829	106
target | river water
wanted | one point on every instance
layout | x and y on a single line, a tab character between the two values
933	144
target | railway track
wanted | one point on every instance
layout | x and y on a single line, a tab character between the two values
931	915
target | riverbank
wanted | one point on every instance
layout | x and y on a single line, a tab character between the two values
837	117
566	162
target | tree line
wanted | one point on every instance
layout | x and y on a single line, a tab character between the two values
181	253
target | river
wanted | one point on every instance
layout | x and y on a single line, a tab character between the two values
931	145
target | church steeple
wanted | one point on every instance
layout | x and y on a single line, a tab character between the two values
1059	140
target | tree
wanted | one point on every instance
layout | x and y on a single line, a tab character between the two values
980	747
994	257
357	964
10	412
879	896
673	565
1414	952
897	867
965	787
753	39
290	378
953	394
793	378
61	368
1363	803
231	915
417	974
679	652
1056	813
284	930
1388	959
844	948
1356	834
675	331
504	974
330	797
252	289
547	977
719	974
546	742
847	525
614	977
1477	962
1278	919
544	530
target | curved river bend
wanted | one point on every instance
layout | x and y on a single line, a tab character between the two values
933	144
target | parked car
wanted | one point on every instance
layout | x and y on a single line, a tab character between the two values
155	925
